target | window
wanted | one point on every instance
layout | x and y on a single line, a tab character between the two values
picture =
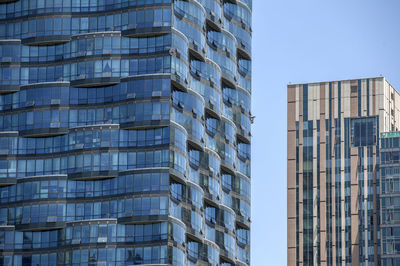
364	131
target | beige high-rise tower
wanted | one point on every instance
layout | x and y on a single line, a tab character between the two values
333	169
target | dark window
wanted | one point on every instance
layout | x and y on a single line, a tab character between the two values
364	131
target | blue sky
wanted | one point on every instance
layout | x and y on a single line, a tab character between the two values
305	41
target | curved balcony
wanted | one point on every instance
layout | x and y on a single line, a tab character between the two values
8	181
179	82
195	142
229	79
243	136
213	188
194	127
244	68
211	162
228	167
242	154
106	67
243	126
243	168
5	89
243	51
244	84
46	85
56	24
143	219
195	36
228	256
228	218
227	65
104	221
223	42
242	245
189	101
95	82
41	226
73	141
214	22
213	13
178	137
211	199
144	124
177	175
241	13
207	72
146	32
242	255
212	252
196	195
197	52
212	110
46	40
229	130
85	46
76	7
211	95
243	222
190	10
106	164
242	36
177	230
194	234
178	162
93	175
180	44
179	74
55	130
237	97
7	228
10	53
242	193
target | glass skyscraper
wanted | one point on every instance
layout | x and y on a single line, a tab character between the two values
125	132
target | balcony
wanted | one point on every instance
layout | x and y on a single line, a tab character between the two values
142	219
197	52
53	131
179	82
42	226
195	142
8	181
144	124
83	82
243	50
46	40
5	89
94	175
146	32
213	21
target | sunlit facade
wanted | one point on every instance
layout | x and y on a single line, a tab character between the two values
333	165
125	132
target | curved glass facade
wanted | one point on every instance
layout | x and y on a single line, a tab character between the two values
125	132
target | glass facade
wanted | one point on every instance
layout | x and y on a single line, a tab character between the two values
390	199
341	175
125	132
